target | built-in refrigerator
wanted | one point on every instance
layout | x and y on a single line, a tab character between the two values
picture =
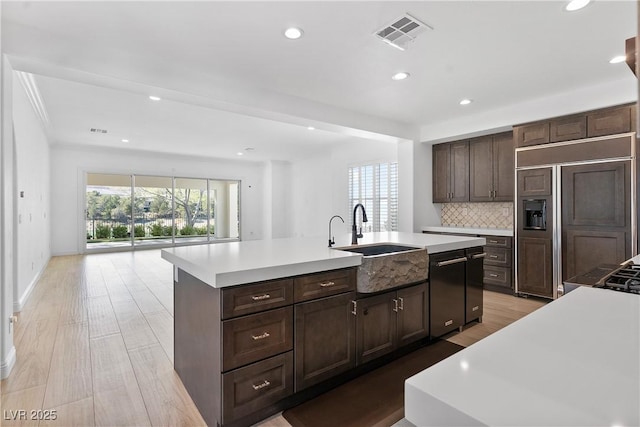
576	208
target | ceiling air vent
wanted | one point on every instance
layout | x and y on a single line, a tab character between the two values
402	31
96	130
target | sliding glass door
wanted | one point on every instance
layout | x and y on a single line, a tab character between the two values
142	210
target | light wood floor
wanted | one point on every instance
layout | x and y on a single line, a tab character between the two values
94	343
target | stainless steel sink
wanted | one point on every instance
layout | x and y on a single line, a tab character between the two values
388	265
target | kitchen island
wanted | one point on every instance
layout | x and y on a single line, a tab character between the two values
260	326
575	361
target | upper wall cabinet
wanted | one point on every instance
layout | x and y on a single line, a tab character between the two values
491	168
451	172
608	121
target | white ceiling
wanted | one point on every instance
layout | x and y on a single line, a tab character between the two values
230	80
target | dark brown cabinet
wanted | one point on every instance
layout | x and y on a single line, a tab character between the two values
324	339
491	168
498	263
606	121
391	320
534	266
451	172
534	182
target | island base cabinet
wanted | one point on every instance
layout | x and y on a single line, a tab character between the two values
413	314
324	339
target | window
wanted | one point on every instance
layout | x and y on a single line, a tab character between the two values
376	187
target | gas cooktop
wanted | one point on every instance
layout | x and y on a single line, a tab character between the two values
625	279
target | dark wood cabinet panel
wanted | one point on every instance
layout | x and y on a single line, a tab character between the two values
247	299
503	167
610	121
568	128
320	285
481	169
498	256
535	266
531	134
586	248
534	183
596	194
460	171
376	326
498	276
451	172
498	241
256	336
413	314
324	339
256	386
441	173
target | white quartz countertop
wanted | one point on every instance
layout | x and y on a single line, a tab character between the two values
574	362
234	263
469	230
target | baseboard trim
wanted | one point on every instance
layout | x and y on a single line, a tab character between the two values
8	363
19	304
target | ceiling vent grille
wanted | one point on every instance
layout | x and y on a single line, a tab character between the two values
402	31
96	130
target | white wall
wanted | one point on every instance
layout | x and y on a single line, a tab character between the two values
320	185
69	166
33	231
278	200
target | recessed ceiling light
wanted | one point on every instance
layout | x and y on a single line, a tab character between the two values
311	128
293	33
249	149
574	5
154	98
400	76
617	59
240	153
466	101
125	140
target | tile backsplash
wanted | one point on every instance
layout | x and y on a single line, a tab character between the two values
479	215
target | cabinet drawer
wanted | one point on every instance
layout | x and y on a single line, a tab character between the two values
324	284
251	338
500	276
609	121
497	256
533	134
568	128
498	241
249	299
256	386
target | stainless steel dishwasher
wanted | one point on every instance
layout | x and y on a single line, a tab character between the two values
447	291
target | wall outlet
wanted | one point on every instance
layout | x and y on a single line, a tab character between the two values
505	211
465	211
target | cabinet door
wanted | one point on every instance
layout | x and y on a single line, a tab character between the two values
459	172
324	339
609	121
586	248
441	173
481	169
568	128
535	270
533	134
503	167
376	326
534	182
413	314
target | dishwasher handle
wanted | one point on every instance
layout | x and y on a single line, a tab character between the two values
451	261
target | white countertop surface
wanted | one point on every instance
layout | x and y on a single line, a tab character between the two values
234	263
574	362
469	230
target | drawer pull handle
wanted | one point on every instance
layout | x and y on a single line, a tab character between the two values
395	305
493	241
493	256
448	322
355	308
263	384
401	306
260	297
451	261
493	275
327	284
262	336
476	256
